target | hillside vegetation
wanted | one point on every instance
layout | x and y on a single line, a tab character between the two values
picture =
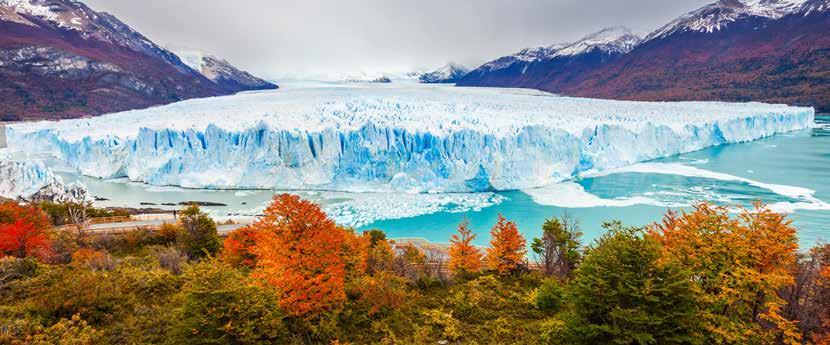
295	277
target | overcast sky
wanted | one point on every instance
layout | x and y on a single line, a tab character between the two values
274	38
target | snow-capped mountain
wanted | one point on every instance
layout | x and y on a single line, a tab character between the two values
717	16
528	66
613	40
62	59
221	72
616	40
731	50
449	73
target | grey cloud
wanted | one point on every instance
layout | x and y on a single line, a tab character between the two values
278	37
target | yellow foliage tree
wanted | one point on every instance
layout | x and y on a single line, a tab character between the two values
739	264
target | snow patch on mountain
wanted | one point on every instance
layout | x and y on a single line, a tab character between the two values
449	73
614	40
413	138
717	16
221	72
39	9
193	59
611	40
814	6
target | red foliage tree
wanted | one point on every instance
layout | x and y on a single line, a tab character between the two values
24	231
238	247
507	247
300	254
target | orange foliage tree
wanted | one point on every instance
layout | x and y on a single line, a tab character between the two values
507	247
24	231
299	254
238	247
465	258
739	264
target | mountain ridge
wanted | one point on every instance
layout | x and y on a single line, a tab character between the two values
749	50
61	59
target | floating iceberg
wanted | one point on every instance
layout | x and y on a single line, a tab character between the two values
411	138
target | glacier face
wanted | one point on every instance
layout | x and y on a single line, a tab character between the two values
33	181
412	138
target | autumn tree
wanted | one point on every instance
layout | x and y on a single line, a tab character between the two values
24	231
379	256
465	258
740	265
11	212
624	292
199	237
299	254
507	250
238	247
558	248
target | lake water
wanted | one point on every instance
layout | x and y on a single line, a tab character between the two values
789	171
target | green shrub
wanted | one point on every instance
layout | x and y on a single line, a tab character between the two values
219	305
199	237
66	291
625	293
550	296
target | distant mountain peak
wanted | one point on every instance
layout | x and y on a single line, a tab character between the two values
449	73
612	40
609	40
716	16
223	73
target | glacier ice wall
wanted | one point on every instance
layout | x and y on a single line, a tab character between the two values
33	181
379	139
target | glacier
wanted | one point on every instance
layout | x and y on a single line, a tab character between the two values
396	137
33	181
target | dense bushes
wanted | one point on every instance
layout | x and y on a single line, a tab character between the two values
295	277
219	305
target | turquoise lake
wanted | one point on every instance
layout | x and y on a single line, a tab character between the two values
796	159
742	174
